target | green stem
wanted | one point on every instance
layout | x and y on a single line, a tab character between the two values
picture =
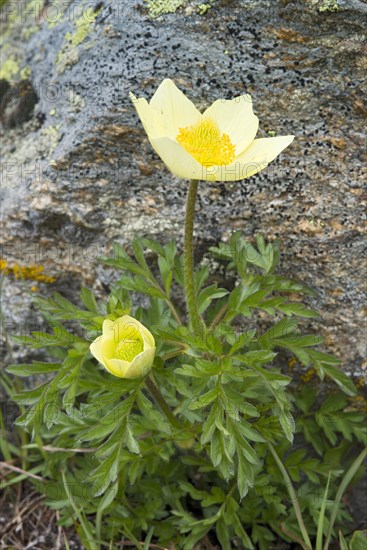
348	476
174	311
189	259
219	316
293	496
162	403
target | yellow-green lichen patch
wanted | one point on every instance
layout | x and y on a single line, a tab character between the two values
329	6
203	8
25	73
20	22
82	27
69	55
162	7
55	14
9	68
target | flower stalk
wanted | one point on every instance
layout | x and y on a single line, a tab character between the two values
191	302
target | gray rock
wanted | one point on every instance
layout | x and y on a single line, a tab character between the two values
81	174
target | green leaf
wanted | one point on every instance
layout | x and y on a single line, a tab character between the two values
166	273
37	367
358	541
139	255
201	369
89	300
106	473
248	431
209	425
242	341
237	403
251	358
200	277
30	397
343	381
204	399
134	470
279	330
153	245
298	309
221	530
130	440
107	424
245	476
343	542
153	418
170	251
288	425
209	294
107	498
216	448
241	533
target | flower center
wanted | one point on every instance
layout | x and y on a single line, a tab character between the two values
128	349
206	144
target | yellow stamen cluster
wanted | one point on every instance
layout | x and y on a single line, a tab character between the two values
33	272
127	349
206	144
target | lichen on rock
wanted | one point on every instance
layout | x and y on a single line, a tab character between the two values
157	8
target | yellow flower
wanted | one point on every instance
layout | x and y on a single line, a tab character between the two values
126	348
218	145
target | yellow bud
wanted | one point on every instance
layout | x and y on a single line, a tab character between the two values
126	348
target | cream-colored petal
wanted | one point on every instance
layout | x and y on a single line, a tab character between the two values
148	337
126	327
96	348
105	344
255	158
141	364
117	367
173	108
177	160
150	118
235	118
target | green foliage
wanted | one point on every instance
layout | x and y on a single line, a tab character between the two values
231	395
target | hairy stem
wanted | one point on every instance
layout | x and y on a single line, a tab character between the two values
189	259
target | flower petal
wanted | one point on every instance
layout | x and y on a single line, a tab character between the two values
235	117
173	108
148	338
96	348
179	161
130	328
141	364
255	158
117	367
149	117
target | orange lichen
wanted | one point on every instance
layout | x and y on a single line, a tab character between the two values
32	272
